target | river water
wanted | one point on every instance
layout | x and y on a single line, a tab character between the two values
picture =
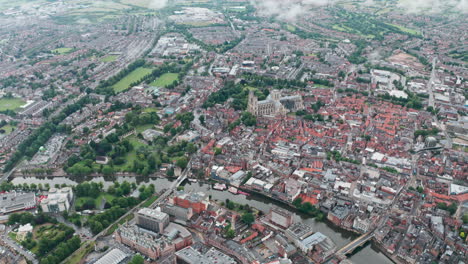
368	254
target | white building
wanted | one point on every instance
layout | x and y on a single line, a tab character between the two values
58	200
23	231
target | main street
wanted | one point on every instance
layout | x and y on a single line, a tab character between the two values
430	87
431	82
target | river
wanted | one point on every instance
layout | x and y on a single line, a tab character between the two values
368	254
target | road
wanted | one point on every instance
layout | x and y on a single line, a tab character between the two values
431	102
431	82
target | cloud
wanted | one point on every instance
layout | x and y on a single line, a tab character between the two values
433	6
287	9
292	9
157	4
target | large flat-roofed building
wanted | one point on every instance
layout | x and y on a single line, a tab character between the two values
13	201
178	212
299	231
303	237
152	219
280	217
58	200
114	256
189	255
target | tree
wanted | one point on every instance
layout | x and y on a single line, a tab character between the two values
202	119
217	151
182	163
248	119
191	148
170	172
248	218
465	218
107	171
297	202
452	208
230	233
420	189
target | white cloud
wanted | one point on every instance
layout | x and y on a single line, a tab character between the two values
287	9
157	4
292	9
433	6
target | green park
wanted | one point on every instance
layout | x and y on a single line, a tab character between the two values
11	103
165	79
62	51
133	77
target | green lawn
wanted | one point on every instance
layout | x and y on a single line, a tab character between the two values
405	29
109	198
8	129
343	28
151	110
109	58
62	51
132	77
97	202
11	103
142	128
12	235
80	201
290	28
131	156
165	79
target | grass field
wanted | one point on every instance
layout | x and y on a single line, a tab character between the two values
165	79
109	58
62	51
8	129
11	103
346	29
12	235
132	77
131	156
405	29
151	110
97	202
140	129
109	198
290	28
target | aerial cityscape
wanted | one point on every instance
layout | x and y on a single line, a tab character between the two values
233	131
